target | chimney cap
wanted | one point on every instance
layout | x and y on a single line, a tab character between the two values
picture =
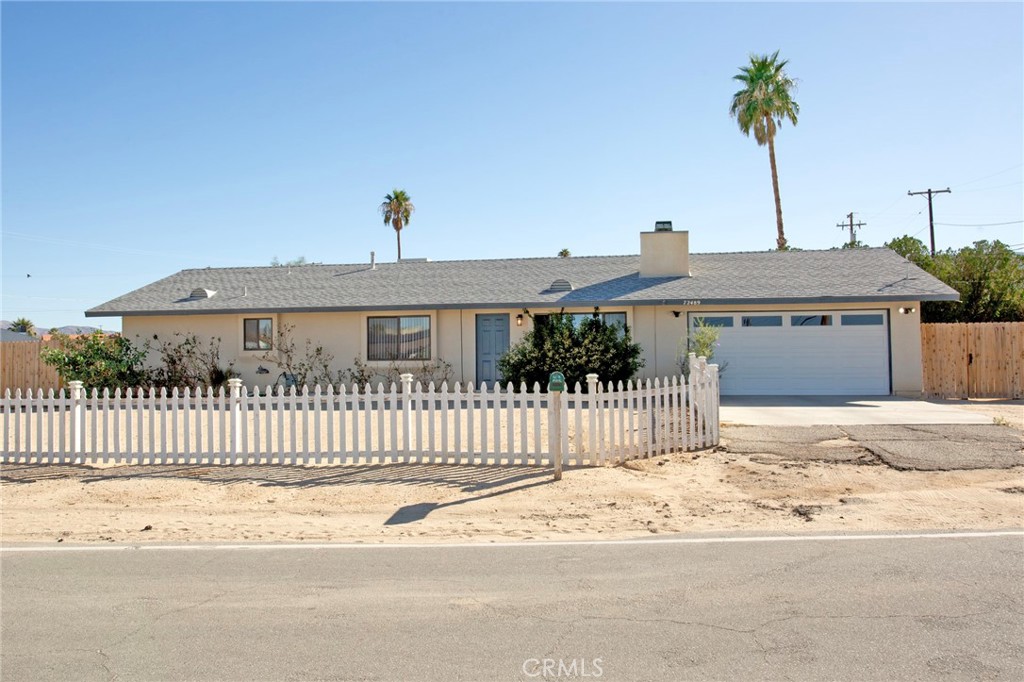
663	226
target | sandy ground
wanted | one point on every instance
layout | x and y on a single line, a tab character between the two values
1007	412
693	492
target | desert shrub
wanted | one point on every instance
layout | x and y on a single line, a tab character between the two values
426	371
556	343
187	362
311	367
359	374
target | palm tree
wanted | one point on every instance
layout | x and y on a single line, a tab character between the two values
762	105
24	325
397	209
564	253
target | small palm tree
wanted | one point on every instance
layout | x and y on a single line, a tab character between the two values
24	325
765	101
564	253
397	208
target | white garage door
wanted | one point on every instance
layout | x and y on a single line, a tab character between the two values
801	352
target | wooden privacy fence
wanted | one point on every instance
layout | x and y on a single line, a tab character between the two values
21	367
976	360
605	425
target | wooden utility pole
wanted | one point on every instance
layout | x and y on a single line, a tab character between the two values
852	226
931	218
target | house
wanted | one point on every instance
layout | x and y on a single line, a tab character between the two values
10	336
796	322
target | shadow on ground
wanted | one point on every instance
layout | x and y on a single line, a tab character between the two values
468	479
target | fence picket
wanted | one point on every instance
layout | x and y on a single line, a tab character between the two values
443	455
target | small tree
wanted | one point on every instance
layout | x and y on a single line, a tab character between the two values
702	342
556	343
98	360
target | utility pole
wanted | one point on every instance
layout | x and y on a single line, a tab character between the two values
931	218
852	226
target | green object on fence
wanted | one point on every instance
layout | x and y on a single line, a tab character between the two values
556	382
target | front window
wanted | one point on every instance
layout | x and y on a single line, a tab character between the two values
398	338
259	334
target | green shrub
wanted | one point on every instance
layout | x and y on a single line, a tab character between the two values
98	360
556	344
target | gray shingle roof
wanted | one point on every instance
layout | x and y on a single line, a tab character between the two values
853	275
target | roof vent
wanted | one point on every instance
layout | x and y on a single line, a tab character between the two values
560	285
663	226
201	293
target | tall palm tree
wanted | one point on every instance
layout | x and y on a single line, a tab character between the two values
24	325
765	101
397	209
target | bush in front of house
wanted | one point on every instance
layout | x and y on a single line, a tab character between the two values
112	361
556	344
98	360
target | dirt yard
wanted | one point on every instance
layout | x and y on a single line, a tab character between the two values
845	489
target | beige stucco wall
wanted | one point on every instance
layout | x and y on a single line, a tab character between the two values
656	328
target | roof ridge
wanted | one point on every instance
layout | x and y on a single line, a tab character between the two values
520	259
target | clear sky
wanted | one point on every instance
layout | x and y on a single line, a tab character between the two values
140	138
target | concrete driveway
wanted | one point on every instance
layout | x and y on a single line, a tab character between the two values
842	410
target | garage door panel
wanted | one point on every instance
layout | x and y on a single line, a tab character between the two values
831	359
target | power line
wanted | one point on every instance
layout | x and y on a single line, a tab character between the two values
931	217
1005	170
1012	222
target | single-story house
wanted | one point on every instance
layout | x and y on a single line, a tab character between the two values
10	336
843	322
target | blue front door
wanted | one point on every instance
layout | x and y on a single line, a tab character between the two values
491	344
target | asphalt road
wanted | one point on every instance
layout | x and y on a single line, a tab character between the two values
924	447
881	608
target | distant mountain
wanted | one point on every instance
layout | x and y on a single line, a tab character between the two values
66	329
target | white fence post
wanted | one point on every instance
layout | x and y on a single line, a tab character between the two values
592	418
76	420
235	386
406	413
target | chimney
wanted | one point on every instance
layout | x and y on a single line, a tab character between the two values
664	253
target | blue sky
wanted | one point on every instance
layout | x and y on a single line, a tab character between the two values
141	138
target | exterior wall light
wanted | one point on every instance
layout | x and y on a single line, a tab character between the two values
519	320
907	311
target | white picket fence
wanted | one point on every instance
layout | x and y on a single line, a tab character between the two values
603	425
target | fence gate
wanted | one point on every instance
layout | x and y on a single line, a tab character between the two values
976	360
